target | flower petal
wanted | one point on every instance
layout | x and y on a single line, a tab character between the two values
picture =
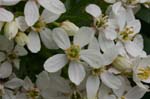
47	39
61	38
110	80
20	51
76	72
55	63
34	44
105	43
31	12
5	15
22	25
2	56
84	36
135	93
94	44
92	86
48	16
55	6
9	2
93	10
14	83
5	70
92	57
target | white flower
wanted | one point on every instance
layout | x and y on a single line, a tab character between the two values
128	92
40	31
31	10
141	71
100	73
73	53
9	55
6	89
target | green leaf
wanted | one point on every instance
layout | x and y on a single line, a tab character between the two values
144	14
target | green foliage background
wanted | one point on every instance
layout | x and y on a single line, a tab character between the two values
32	64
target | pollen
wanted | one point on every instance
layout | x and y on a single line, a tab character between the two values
101	22
73	53
126	33
123	97
144	73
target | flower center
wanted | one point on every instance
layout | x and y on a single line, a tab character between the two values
144	73
97	72
132	2
101	22
39	26
127	33
122	97
33	93
73	53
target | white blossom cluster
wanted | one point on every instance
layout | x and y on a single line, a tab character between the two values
102	61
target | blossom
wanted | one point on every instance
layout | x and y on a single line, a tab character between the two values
74	53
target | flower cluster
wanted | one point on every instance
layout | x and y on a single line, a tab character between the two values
103	61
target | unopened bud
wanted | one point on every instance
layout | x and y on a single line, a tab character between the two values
122	63
70	28
11	30
21	39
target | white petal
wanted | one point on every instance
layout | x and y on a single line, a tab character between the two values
55	6
5	16
22	25
60	84
135	24
130	14
119	14
84	36
48	16
16	63
110	80
55	63
2	56
105	43
110	33
5	70
43	79
110	1
34	44
5	44
92	87
94	44
47	39
14	83
110	55
20	51
76	72
121	48
133	49
31	12
28	83
135	93
93	10
92	57
9	2
61	38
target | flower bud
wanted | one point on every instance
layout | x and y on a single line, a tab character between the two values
122	63
21	39
70	27
10	30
